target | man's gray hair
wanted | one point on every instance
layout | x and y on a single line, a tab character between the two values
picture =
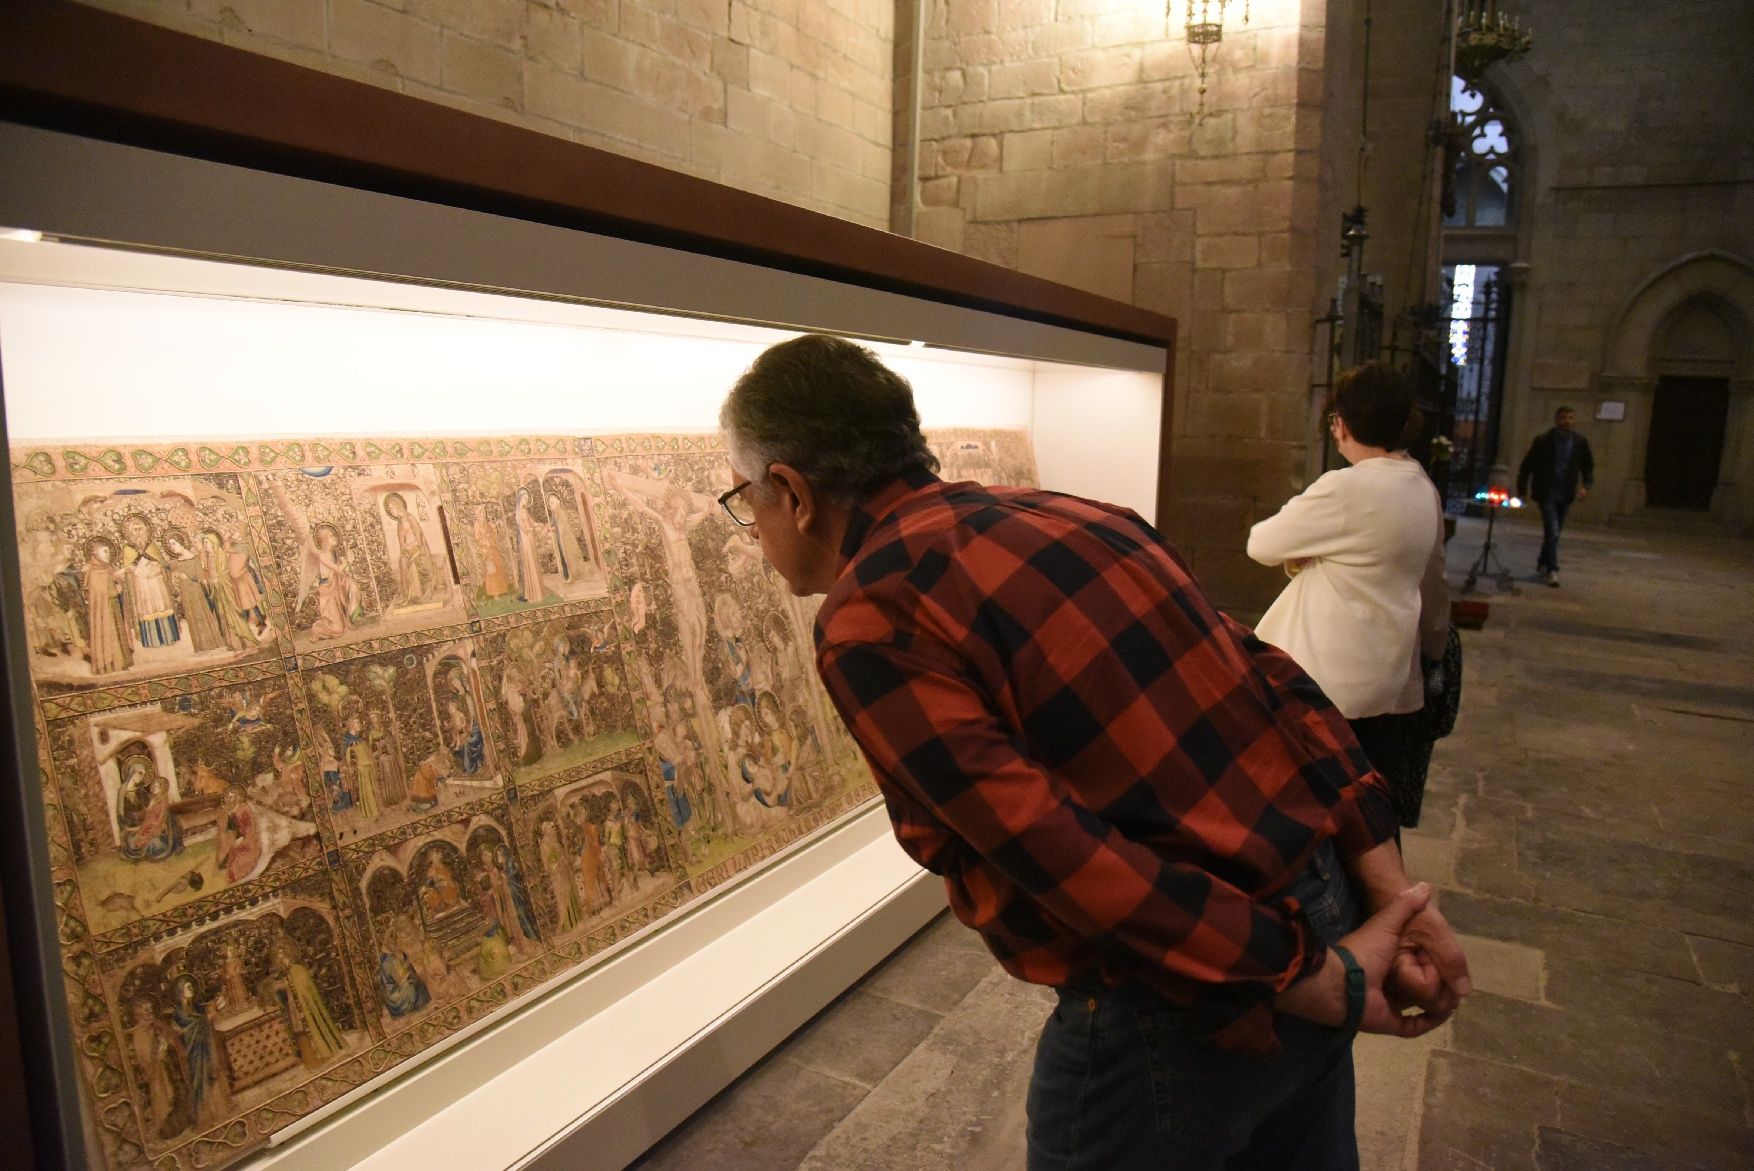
827	407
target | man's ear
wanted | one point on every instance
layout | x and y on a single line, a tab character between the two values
797	495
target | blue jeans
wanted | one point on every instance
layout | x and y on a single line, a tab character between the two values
1552	520
1126	1081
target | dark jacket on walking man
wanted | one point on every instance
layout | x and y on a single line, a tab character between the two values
1557	470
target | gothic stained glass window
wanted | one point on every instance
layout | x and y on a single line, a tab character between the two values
1481	159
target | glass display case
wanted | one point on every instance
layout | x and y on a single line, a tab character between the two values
410	763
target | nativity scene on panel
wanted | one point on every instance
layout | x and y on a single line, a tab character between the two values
165	802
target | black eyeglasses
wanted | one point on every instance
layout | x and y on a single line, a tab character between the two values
737	506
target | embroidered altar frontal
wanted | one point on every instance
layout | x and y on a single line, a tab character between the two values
349	743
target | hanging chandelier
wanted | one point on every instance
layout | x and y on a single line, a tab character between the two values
1485	33
1205	30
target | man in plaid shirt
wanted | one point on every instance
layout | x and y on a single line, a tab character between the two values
1128	795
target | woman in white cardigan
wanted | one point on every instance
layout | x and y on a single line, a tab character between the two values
1364	548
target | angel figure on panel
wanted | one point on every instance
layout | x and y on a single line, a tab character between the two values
283	790
324	573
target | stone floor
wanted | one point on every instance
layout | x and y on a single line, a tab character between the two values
1589	825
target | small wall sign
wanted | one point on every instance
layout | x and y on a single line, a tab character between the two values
1612	410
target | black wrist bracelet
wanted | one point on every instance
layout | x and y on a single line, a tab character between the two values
1354	989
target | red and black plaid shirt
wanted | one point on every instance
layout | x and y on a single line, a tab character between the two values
1116	781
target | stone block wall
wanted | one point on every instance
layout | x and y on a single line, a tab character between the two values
1066	139
786	98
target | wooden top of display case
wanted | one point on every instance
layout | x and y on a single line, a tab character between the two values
75	69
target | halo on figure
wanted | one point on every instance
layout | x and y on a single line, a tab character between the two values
144	522
400	503
326	527
96	543
179	537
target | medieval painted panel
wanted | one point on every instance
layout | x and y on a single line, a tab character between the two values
600	848
171	797
448	913
558	693
360	551
398	734
350	743
218	1028
128	579
746	740
524	534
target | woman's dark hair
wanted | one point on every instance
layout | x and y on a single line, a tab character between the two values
829	408
1376	404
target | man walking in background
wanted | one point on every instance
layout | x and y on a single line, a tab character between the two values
1558	469
1130	797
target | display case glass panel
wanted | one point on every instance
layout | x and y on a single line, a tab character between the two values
394	662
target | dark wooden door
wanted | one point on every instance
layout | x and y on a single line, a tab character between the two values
1686	442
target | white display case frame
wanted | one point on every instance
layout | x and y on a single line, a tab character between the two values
685	1007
